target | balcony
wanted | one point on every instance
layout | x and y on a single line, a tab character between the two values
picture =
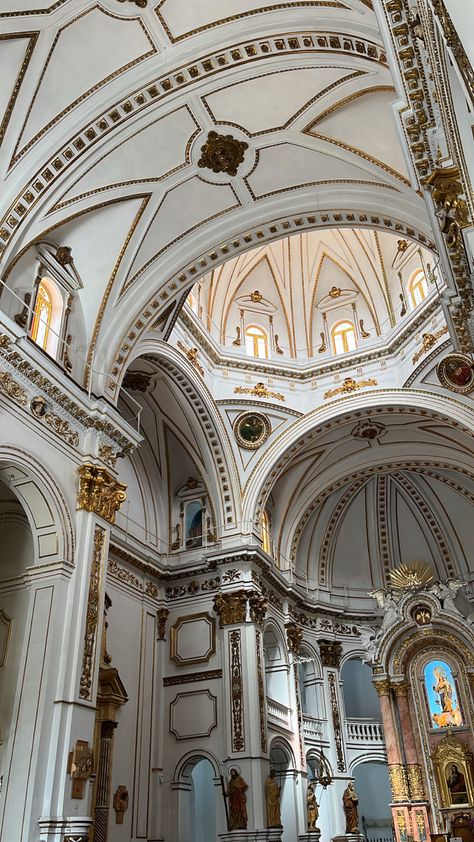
278	714
312	729
364	732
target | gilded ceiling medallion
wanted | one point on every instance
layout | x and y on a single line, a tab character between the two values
456	372
222	153
251	430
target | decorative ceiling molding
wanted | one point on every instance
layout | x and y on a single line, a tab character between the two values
32	38
184	75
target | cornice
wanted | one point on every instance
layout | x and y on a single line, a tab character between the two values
315	371
83	414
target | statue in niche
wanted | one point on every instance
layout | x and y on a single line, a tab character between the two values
323	347
442	695
237	341
350	802
312	808
272	794
456	785
236	789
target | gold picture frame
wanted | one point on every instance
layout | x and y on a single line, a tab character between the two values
452	763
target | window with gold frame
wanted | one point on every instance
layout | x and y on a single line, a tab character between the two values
42	316
417	288
256	341
343	337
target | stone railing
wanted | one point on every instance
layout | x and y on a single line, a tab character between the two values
312	728
278	714
363	731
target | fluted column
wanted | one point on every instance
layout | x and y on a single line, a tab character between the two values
413	767
102	803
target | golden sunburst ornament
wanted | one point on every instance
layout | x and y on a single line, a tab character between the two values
409	576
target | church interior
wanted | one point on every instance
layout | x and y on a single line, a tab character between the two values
237	420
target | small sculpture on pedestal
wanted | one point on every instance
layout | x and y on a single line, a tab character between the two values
272	793
312	809
350	802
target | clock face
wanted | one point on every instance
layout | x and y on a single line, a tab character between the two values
251	429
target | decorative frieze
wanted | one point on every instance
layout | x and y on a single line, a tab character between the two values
100	492
191	677
236	691
92	616
12	389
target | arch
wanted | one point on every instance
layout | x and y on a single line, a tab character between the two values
281	744
222	466
190	759
43	502
111	356
305	429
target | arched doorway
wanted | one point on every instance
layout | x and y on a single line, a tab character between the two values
198	807
373	788
283	762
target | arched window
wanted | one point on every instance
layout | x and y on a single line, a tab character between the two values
343	337
47	317
266	538
42	316
256	341
417	288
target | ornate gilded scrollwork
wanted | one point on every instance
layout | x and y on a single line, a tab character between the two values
415	782
350	385
258	607
294	636
398	782
99	492
331	652
236	691
92	617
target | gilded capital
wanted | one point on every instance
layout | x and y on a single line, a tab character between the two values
401	688
294	635
100	492
382	686
231	607
331	652
258	607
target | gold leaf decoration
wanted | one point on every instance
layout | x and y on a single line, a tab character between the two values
412	575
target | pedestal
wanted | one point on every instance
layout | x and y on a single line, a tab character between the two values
58	829
314	836
271	834
349	837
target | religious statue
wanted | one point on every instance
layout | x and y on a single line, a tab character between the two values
272	795
312	809
235	792
120	803
350	802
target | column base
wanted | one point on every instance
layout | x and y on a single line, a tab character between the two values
310	836
59	829
349	837
271	834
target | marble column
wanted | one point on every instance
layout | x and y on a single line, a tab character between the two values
396	769
413	767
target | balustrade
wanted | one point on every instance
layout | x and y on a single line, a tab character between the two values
362	731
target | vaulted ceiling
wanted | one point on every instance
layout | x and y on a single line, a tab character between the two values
106	108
